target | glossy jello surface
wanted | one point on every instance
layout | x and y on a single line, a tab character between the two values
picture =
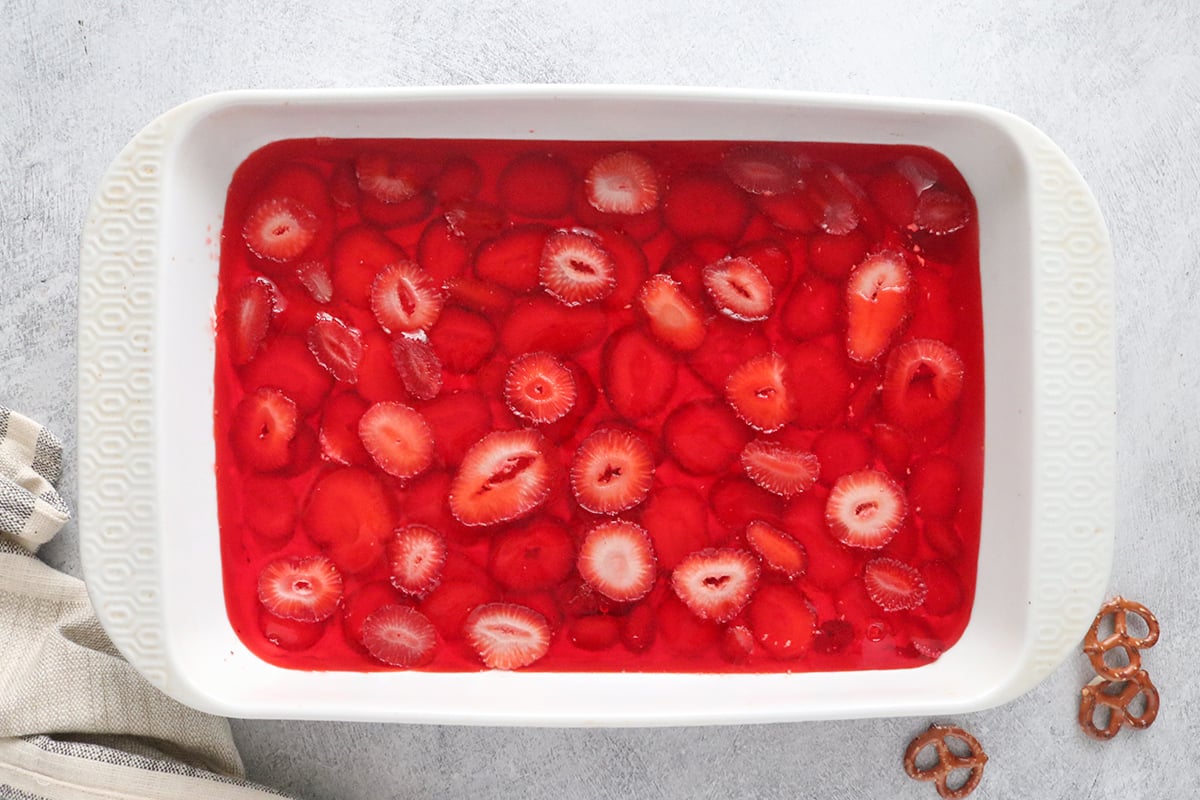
604	406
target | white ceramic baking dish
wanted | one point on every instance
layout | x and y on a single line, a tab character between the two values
148	514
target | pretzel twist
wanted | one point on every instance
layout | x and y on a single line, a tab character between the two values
1097	694
1096	648
947	761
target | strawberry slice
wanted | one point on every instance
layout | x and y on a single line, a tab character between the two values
362	603
704	437
830	563
289	634
940	213
480	296
339	438
358	255
737	644
475	222
575	268
442	253
822	377
779	469
507	636
772	259
539	388
460	179
778	551
542	323
303	589
449	605
834	256
285	363
462	340
597	632
336	346
727	345
418	366
922	381
682	631
877	304
531	557
895	196
933	487
865	509
782	620
350	514
739	289
841	451
676	518
698	206
617	560
397	438
513	259
264	424
416	555
758	392
893	585
387	178
538	185
400	636
736	502
269	507
343	185
760	170
315	278
612	471
638	376
639	627
280	228
945	593
405	299
505	476
673	318
247	317
458	420
716	584
630	268
622	183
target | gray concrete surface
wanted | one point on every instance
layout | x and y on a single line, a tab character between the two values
1116	84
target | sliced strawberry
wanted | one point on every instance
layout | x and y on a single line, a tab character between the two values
397	438
458	420
391	216
343	185
945	593
779	469
676	519
683	631
513	259
269	507
919	173
778	551
539	388
739	289
505	476
336	346
405	298
416	554
400	636
704	437
922	382
304	589
630	268
303	452
389	179
841	451
758	392
462	340
585	400
575	268
865	509
315	278
289	634
834	197
639	627
475	222
339	438
247	318
727	345
622	183
264	424
358	255
789	211
782	620
377	376
541	323
460	179
507	636
449	605
441	253
933	487
349	513
280	228
418	366
877	304
638	376
760	170
612	471
294	309
597	632
716	584
772	259
940	212
834	256
895	196
737	644
285	363
673	319
531	557
479	296
943	537
830	563
736	502
698	206
538	185
617	560
812	308
893	446
821	377
365	601
893	585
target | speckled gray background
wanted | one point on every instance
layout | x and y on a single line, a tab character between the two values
1116	84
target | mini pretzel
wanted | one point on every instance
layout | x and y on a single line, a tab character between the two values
1096	648
1096	694
947	761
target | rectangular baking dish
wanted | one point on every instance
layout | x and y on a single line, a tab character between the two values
148	514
